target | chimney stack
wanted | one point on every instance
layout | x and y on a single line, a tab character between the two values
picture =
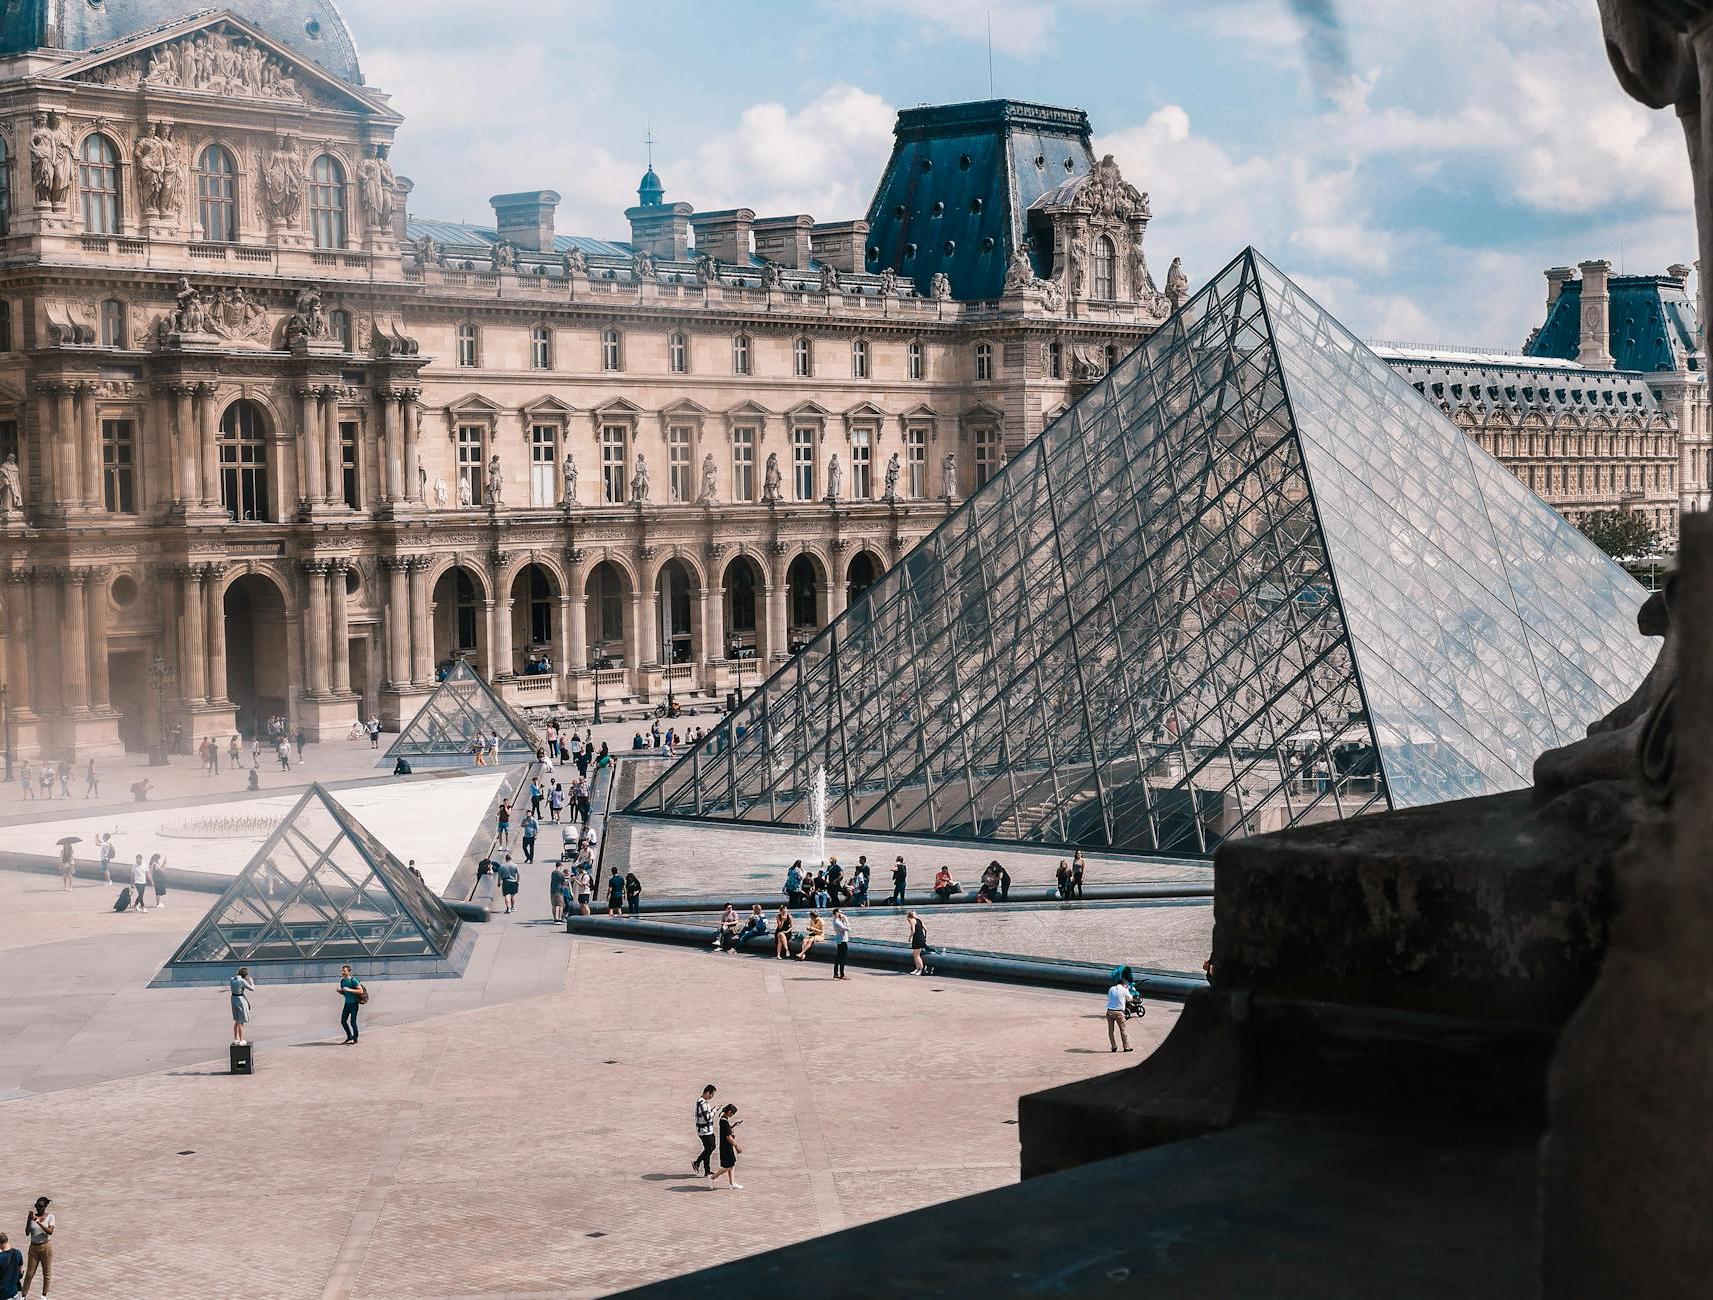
784	240
1678	271
526	219
1595	350
1555	280
842	245
724	235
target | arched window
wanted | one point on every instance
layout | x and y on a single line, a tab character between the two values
339	324
612	350
113	324
5	190
327	201
243	448
1105	268
541	348
803	358
466	351
217	195
678	353
98	180
984	361
740	354
859	359
914	355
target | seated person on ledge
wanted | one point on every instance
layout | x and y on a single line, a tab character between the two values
945	886
756	924
401	768
816	932
637	742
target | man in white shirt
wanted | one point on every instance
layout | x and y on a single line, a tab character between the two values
139	884
842	943
1116	998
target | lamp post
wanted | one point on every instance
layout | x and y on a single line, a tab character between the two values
666	660
737	658
6	721
595	674
161	676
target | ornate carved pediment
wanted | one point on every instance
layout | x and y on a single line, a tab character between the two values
229	315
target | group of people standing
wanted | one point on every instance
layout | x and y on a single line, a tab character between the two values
53	780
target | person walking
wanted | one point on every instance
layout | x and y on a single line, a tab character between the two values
555	802
241	986
706	1128
158	877
530	827
373	727
297	741
352	990
107	853
65	778
507	872
67	866
11	1269
91	781
282	751
256	754
615	894
39	1228
27	780
1116	997
235	753
47	780
900	874
633	893
918	944
140	884
505	822
841	942
535	793
729	1148
583	889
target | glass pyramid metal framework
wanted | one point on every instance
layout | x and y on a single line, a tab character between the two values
1250	580
322	889
460	706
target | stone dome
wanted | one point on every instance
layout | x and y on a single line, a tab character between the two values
314	29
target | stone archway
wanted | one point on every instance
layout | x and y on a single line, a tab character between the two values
608	590
258	680
676	640
805	599
460	601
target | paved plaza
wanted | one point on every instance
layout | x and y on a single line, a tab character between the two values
521	1131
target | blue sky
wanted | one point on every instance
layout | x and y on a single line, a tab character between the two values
1419	195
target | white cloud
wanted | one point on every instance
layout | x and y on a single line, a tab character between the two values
1021	28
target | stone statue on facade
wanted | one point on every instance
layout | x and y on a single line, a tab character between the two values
51	166
709	493
1076	265
829	279
568	481
189	316
1052	295
949	475
835	479
1106	193
642	264
1020	271
639	481
575	261
890	492
427	251
771	480
889	283
707	270
156	159
309	321
503	256
281	182
772	276
1177	284
377	187
440	495
940	286
464	496
11	486
496	482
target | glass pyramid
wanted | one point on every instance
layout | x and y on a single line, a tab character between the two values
447	723
322	889
1251	579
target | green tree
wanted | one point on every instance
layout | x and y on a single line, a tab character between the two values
1620	533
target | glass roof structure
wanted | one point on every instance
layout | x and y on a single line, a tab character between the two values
1250	580
321	889
461	705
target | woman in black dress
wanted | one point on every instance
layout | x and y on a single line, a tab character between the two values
729	1149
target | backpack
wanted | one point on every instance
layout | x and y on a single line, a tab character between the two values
124	899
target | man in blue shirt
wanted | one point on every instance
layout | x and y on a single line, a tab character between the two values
11	1268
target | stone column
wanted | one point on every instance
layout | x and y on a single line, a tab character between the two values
315	625
44	610
49	450
777	613
398	619
713	646
310	434
330	446
193	641
422	620
838	586
564	665
18	639
95	617
339	653
89	450
491	660
410	414
74	642
61	434
502	665
213	575
644	647
392	451
1595	346
205	402
184	431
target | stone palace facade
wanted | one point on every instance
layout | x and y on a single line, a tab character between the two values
272	445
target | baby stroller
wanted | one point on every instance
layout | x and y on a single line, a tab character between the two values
1133	1008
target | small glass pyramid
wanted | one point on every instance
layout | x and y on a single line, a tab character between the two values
322	889
1250	580
462	705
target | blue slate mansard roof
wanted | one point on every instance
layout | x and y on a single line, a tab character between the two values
956	192
454	235
315	29
1653	324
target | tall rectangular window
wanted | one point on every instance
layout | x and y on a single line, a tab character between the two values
983	361
743	463
986	455
740	354
803	463
913	355
916	463
466	344
119	466
98	182
543	464
612	350
862	465
859	359
677	353
541	348
678	463
802	358
350	473
613	446
471	475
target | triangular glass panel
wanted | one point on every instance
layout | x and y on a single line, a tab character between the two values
461	707
1252	579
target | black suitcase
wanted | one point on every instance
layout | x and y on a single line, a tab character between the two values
242	1061
121	903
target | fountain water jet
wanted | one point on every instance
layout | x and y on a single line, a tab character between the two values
817	824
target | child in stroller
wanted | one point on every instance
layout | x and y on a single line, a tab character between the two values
1133	1008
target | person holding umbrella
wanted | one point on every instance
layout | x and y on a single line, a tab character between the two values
68	862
